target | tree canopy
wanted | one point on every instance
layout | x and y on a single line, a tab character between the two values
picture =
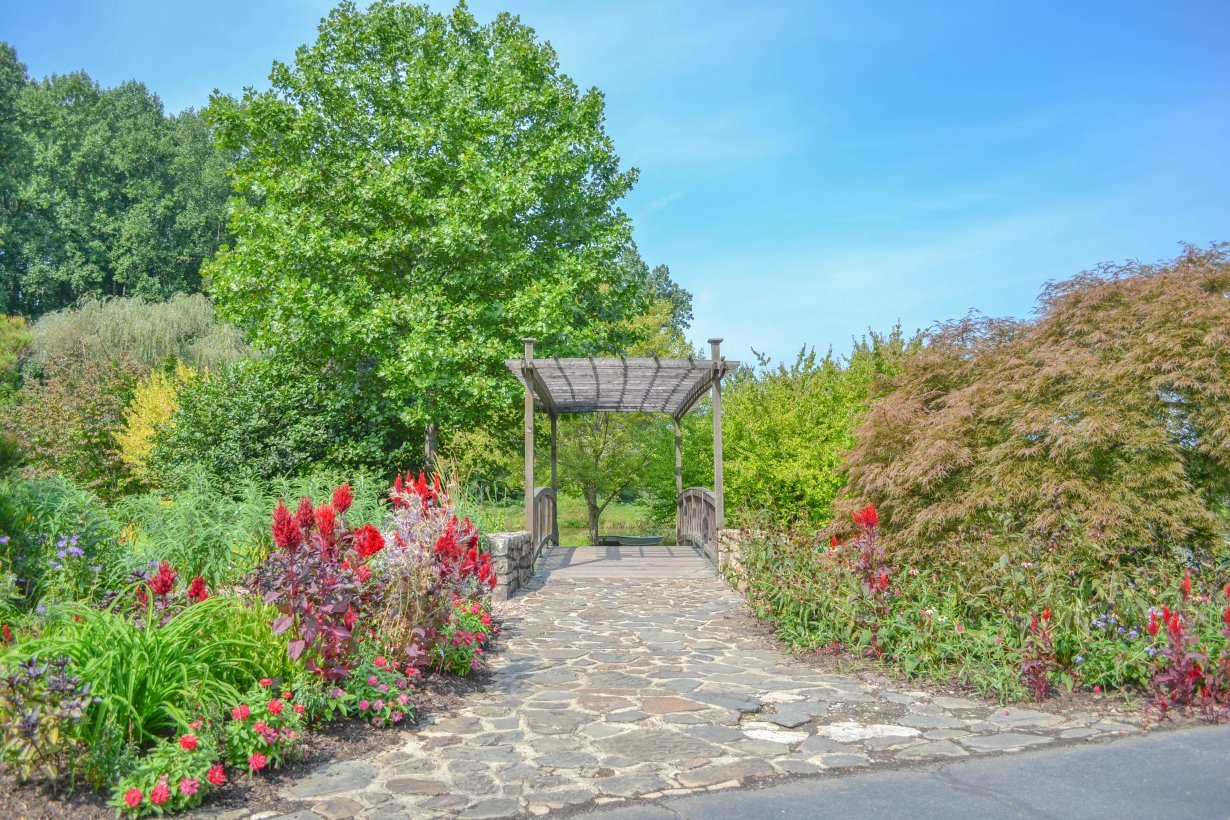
422	191
100	192
1108	415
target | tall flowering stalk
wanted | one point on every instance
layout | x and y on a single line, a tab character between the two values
872	571
316	580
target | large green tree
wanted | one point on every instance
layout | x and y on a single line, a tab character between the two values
421	191
100	192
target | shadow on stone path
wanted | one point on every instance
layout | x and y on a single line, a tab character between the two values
610	690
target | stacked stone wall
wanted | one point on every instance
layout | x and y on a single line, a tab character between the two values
512	557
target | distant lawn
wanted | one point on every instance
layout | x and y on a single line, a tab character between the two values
617	519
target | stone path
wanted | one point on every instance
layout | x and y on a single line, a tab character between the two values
610	690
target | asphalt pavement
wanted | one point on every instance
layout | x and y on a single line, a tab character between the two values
1182	774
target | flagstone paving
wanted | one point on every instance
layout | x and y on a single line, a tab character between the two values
611	690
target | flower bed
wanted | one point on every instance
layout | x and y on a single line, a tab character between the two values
1020	625
164	692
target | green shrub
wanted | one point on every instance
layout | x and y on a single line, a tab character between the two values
36	514
269	418
65	420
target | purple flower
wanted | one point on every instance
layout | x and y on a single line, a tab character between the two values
4	539
61	554
76	552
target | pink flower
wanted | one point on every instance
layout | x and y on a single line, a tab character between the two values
298	707
160	793
275	706
266	682
188	742
241	712
396	717
189	786
378	705
403	699
217	775
133	797
372	680
364	705
380	661
257	761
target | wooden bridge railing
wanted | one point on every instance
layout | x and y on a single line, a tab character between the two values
696	520
544	520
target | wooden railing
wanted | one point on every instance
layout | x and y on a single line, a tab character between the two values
696	520
544	520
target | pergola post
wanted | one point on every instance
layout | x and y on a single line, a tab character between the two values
678	459
715	346
527	363
554	479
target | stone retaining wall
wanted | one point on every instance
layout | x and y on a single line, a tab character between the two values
513	561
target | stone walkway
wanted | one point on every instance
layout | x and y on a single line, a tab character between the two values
611	690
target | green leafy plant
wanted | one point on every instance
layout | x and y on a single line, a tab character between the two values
382	691
42	704
152	677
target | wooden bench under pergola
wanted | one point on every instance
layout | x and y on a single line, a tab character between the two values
624	385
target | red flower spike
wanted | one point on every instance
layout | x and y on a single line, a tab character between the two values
1185	586
368	541
866	517
196	590
1046	614
162	583
326	519
287	531
305	514
343	497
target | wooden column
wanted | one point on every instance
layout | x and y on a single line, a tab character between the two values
715	346
678	459
527	366
555	479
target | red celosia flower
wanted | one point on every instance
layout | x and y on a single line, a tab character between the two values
133	797
6	633
1046	614
368	541
189	786
343	498
142	598
188	742
241	712
833	542
257	761
196	590
867	517
217	775
1185	586
1153	625
160	793
163	582
275	707
326	519
287	531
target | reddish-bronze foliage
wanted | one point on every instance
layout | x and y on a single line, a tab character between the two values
1108	413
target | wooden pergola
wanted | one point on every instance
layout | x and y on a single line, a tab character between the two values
618	385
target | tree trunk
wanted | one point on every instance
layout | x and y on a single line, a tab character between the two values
591	505
430	446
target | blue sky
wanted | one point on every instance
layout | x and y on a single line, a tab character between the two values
813	169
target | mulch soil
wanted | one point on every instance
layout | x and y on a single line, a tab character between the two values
341	740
